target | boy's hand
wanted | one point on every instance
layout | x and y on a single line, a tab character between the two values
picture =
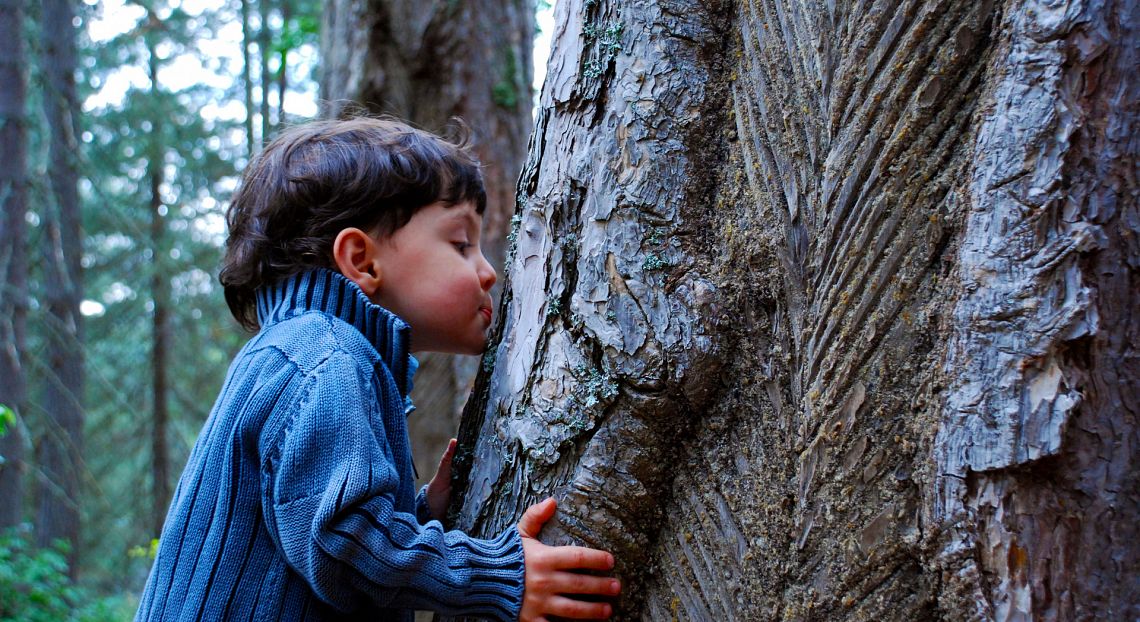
549	576
439	488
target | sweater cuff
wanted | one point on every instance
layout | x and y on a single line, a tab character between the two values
498	576
423	512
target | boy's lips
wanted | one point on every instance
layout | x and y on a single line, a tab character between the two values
487	313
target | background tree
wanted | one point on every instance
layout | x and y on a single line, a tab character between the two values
828	311
59	450
247	77
13	259
160	289
156	86
428	62
264	35
282	28
160	160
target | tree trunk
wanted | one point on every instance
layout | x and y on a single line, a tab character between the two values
263	52
59	452
247	78
283	58
160	321
429	62
828	311
13	256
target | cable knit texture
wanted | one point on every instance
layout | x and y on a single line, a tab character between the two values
298	500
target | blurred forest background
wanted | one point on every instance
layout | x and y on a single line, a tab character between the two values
123	129
832	304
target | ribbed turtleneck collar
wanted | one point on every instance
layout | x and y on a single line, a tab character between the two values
330	292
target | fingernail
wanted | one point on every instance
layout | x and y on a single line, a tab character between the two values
609	611
615	586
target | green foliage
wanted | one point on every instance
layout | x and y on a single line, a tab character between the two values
148	552
35	587
7	418
300	30
505	92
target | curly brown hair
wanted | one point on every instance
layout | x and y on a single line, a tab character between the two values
317	179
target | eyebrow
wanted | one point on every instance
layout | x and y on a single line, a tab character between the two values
468	217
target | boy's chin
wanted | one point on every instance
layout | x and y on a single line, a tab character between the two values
475	350
470	349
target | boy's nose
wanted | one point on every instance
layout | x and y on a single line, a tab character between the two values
487	276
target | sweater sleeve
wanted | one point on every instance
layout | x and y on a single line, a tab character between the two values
329	503
423	511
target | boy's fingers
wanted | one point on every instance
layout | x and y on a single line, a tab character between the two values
574	583
580	557
448	455
535	517
578	610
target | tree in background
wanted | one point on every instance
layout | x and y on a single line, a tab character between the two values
282	28
828	311
247	77
263	37
150	170
59	450
428	62
153	32
13	260
160	170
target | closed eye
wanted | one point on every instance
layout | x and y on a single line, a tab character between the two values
461	247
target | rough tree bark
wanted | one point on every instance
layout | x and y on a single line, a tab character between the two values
13	255
428	62
828	311
60	449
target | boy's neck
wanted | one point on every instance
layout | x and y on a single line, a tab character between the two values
331	293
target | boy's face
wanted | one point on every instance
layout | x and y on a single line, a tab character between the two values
434	276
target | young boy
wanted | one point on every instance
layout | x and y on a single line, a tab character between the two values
351	244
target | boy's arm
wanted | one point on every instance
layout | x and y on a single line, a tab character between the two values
329	504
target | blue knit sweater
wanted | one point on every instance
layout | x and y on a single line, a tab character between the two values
298	500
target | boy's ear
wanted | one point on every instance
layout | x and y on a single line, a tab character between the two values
356	257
